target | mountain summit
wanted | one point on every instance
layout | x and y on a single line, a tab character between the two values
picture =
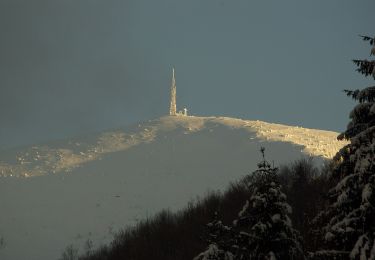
68	191
66	155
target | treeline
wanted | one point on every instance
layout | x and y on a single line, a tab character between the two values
295	212
182	235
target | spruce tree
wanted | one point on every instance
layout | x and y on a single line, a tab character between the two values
349	221
219	242
264	229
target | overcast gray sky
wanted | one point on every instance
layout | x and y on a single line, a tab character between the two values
68	67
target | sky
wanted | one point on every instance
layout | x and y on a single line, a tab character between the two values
71	67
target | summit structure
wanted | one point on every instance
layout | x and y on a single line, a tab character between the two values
172	108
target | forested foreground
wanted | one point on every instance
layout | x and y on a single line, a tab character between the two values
291	212
183	234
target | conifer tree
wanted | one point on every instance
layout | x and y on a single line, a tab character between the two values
219	242
349	221
264	228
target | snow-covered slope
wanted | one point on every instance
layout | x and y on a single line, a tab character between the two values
69	191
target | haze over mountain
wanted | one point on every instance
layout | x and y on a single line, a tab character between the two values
88	187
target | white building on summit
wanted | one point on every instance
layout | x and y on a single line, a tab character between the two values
173	106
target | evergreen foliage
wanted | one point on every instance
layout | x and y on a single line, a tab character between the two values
344	229
219	239
349	221
367	67
178	235
264	228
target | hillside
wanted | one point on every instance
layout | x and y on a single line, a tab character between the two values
68	191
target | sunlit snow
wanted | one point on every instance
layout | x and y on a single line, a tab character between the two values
88	187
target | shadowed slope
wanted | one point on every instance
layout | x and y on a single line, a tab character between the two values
134	173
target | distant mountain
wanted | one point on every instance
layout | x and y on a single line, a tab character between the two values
87	187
